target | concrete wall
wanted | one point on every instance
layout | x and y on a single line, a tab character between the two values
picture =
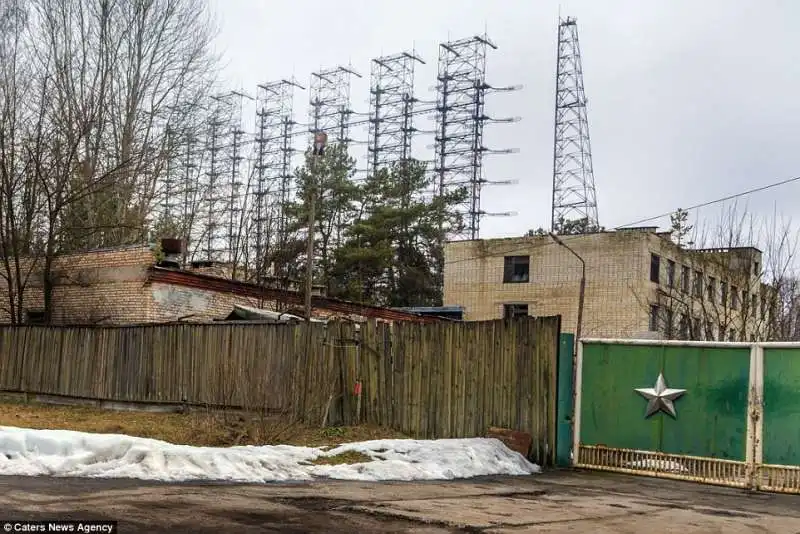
172	303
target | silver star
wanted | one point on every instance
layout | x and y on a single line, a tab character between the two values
660	397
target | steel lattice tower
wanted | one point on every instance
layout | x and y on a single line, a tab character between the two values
275	127
391	110
329	109
460	120
170	189
222	187
574	196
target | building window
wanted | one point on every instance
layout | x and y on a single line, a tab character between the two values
756	269
685	279
512	311
723	294
754	305
734	297
35	317
763	307
709	331
655	268
712	289
668	318
697	288
697	329
670	274
683	327
732	335
516	269
654	318
745	302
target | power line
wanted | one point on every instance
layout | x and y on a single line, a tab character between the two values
717	201
518	248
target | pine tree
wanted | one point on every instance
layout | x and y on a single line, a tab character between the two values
329	178
392	250
680	228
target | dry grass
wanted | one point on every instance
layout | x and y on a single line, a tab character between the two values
198	428
349	457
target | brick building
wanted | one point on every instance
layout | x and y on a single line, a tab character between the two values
131	285
638	284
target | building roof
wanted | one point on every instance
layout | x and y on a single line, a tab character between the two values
222	285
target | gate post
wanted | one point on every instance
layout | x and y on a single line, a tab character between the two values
754	454
576	404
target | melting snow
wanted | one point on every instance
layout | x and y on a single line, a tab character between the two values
77	454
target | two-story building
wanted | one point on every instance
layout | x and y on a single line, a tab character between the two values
638	283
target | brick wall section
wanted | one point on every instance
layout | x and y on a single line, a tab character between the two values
111	287
618	287
614	269
103	287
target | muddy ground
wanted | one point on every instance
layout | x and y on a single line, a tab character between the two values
556	502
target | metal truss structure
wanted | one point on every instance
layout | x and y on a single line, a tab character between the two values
391	110
460	120
329	102
273	169
574	195
222	187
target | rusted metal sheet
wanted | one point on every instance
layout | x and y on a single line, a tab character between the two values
244	289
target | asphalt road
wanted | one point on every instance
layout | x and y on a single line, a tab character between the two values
556	502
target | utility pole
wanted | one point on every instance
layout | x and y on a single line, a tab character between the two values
320	140
581	291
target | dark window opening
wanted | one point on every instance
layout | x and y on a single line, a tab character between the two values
697	288
709	331
712	290
512	311
697	329
683	327
654	318
670	274
35	317
723	295
685	279
668	329
655	268
734	297
516	269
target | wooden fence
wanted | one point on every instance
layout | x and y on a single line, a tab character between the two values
426	380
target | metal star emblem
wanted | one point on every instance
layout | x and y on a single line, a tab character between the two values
660	397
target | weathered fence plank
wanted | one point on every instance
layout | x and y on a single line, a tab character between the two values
427	380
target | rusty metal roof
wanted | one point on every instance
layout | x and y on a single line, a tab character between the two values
245	289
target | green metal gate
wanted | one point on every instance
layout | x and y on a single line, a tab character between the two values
715	412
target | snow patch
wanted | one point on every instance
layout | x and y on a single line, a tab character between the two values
658	465
64	453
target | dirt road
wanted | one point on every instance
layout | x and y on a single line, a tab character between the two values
555	502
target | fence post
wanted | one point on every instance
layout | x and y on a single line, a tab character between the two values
576	418
755	420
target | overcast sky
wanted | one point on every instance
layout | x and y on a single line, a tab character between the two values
688	100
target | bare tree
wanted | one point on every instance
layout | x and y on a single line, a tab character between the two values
87	89
19	196
719	285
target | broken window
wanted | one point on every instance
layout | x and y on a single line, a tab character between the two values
512	311
655	268
516	269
